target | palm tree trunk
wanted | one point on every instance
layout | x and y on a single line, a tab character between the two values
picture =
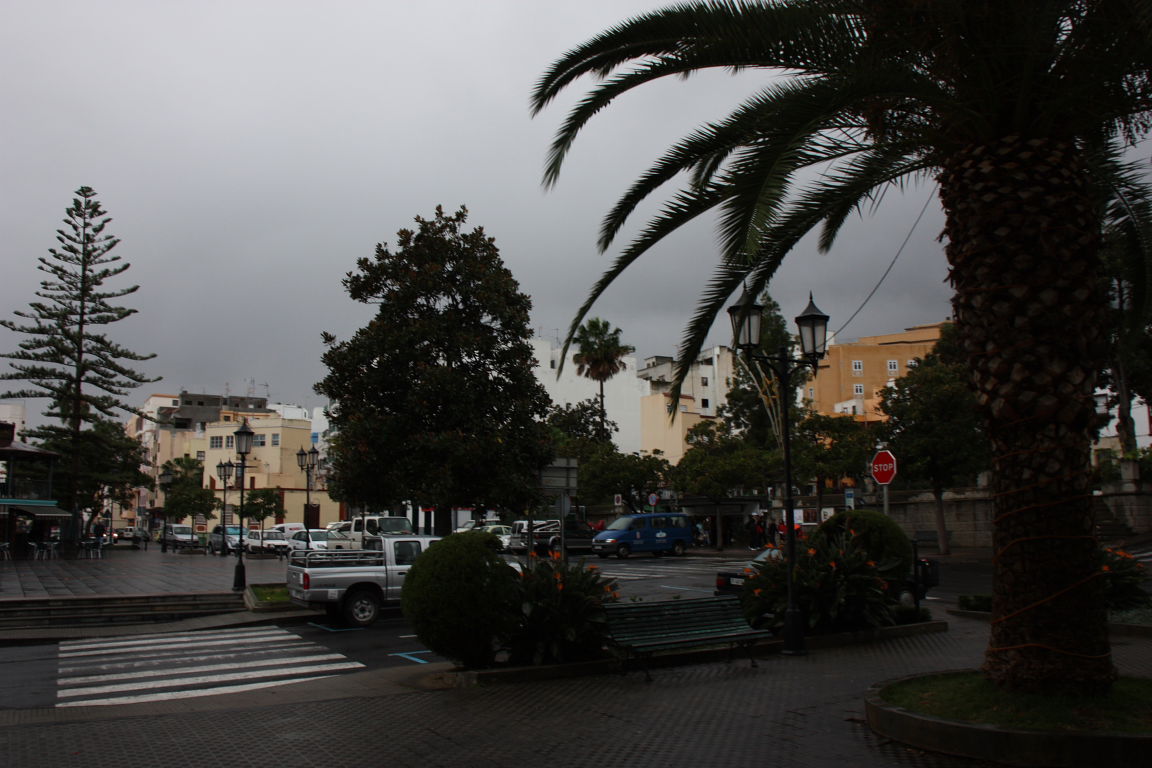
1023	247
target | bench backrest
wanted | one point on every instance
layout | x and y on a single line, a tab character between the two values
632	622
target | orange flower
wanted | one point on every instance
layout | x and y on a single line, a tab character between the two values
871	563
593	566
555	554
832	563
811	551
1106	567
757	591
851	531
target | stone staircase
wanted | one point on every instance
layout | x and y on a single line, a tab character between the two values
29	613
1108	526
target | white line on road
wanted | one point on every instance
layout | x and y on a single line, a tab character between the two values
252	675
167	672
169	695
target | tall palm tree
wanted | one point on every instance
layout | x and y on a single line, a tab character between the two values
1010	106
600	357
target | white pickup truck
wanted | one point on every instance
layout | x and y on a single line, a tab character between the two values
354	584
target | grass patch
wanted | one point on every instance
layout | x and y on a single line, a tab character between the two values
968	697
274	593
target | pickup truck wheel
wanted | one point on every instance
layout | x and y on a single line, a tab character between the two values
361	608
623	551
678	548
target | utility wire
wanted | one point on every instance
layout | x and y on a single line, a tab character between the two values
900	250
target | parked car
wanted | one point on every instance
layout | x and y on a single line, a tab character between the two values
656	532
732	582
502	532
542	531
220	539
178	536
469	525
314	538
268	542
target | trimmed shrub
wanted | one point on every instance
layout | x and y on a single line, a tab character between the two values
559	618
880	537
461	597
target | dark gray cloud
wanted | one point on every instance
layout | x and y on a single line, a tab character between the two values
250	151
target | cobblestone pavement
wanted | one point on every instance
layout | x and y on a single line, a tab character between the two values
790	712
126	571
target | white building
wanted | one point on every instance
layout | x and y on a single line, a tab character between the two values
17	414
622	393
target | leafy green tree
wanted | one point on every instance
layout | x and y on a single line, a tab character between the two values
608	471
435	399
830	448
934	431
263	503
186	496
577	424
67	357
600	356
1013	108
717	462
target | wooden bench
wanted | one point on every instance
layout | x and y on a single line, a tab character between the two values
638	630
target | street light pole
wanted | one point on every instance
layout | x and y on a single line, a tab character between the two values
307	461
165	482
243	437
813	325
224	470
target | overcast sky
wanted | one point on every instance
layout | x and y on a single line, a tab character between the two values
249	151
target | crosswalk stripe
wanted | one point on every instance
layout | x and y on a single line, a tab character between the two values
166	672
186	694
185	665
255	674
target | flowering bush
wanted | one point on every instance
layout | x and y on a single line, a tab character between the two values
1123	589
559	617
837	587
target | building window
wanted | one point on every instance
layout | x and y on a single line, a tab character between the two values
857	367
228	441
200	455
259	440
703	381
911	364
175	402
704	402
811	393
858	390
893	367
275	439
216	441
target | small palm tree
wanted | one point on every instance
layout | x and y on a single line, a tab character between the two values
1016	109
600	356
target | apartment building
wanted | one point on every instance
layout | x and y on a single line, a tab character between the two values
665	424
622	393
852	375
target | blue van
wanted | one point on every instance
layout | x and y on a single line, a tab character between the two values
656	532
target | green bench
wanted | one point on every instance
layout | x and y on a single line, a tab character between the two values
638	630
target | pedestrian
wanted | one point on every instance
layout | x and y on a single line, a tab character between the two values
772	530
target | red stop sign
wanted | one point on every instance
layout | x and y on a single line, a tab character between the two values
883	467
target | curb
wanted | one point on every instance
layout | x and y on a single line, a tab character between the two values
1036	749
1114	628
477	677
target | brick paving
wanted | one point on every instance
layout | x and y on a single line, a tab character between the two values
790	712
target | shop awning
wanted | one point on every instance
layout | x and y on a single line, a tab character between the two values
42	512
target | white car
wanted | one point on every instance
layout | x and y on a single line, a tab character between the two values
315	538
271	542
231	538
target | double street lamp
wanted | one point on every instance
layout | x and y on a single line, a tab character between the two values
813	325
244	437
224	471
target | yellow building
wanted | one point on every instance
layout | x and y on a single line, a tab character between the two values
851	375
272	464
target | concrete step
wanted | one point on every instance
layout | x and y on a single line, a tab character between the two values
121	609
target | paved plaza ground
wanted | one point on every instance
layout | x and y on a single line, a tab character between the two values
789	712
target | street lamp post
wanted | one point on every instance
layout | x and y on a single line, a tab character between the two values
307	461
165	482
243	437
813	325
224	471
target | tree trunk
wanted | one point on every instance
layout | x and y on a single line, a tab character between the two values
1023	246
